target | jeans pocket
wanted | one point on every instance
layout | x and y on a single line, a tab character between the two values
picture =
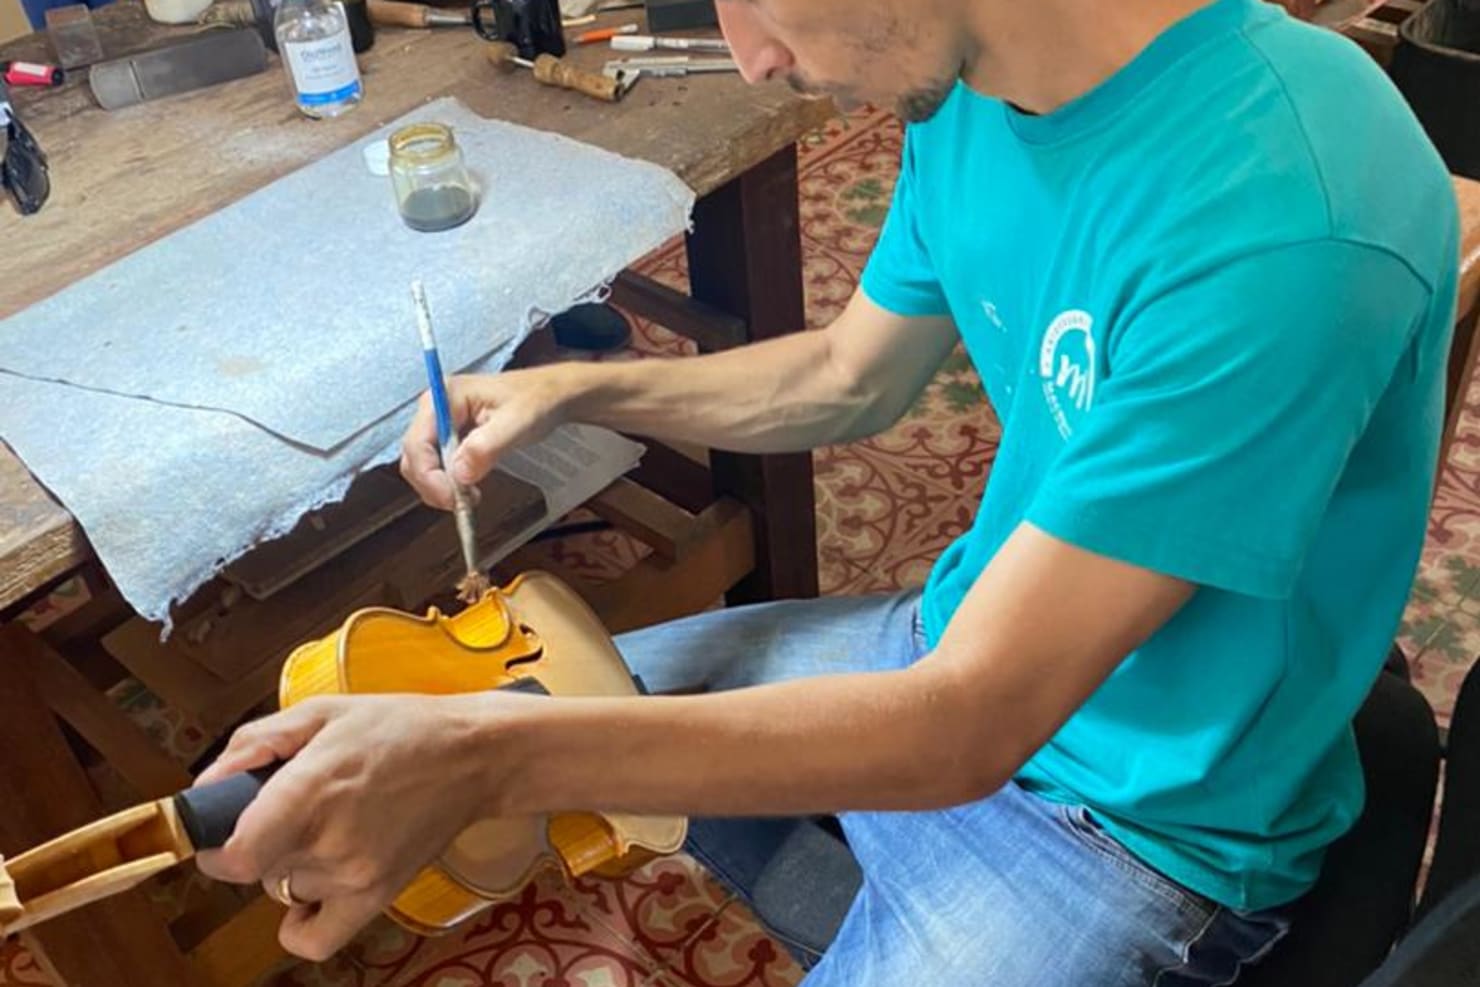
1085	830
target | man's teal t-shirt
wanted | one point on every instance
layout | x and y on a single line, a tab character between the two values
1211	302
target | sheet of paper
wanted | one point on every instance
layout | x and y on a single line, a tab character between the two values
570	467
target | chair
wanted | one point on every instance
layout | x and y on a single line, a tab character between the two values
1443	949
1457	853
1363	901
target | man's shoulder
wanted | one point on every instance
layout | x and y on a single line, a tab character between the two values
1373	167
1289	134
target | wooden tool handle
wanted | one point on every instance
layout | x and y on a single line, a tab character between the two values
397	13
10	902
500	54
554	72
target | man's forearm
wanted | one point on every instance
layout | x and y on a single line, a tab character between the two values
783	395
846	382
887	741
1040	631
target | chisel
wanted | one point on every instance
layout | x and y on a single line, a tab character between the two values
555	72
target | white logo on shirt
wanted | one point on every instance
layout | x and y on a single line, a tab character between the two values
990	310
1066	364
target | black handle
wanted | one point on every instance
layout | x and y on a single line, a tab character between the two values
209	813
532	26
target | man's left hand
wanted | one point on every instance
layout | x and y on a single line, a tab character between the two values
372	788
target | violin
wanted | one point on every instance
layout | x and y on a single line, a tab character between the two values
535	635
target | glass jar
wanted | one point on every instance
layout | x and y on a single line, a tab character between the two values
433	190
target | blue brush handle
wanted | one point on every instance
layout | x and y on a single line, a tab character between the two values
439	398
446	434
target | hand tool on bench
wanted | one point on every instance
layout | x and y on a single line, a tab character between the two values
647	42
666	66
399	13
74	36
598	35
24	171
552	71
533	27
17	73
178	65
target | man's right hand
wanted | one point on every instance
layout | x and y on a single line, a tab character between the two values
796	392
494	415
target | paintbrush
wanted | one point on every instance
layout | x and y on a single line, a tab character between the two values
474	584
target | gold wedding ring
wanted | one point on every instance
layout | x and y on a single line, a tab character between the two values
283	891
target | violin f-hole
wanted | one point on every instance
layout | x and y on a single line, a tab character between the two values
536	653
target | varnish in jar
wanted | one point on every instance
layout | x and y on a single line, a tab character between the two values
433	190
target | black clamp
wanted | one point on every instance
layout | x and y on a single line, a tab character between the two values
23	167
532	26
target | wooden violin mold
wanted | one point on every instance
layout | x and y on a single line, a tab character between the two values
536	629
534	635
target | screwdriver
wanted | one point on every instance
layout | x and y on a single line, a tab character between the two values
647	42
396	13
554	72
604	34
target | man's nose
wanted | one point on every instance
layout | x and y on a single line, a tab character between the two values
758	55
770	61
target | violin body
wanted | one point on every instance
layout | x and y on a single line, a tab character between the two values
535	635
536	631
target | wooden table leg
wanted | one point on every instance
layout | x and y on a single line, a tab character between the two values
745	257
1463	353
44	792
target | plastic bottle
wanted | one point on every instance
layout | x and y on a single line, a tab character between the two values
314	40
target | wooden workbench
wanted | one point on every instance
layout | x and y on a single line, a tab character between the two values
124	179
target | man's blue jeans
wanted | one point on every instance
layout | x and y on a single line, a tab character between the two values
1012	891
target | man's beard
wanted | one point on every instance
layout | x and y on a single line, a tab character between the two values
915	106
919	105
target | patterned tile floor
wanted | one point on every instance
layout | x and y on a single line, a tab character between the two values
885	508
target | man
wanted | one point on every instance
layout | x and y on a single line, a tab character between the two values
1205	263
